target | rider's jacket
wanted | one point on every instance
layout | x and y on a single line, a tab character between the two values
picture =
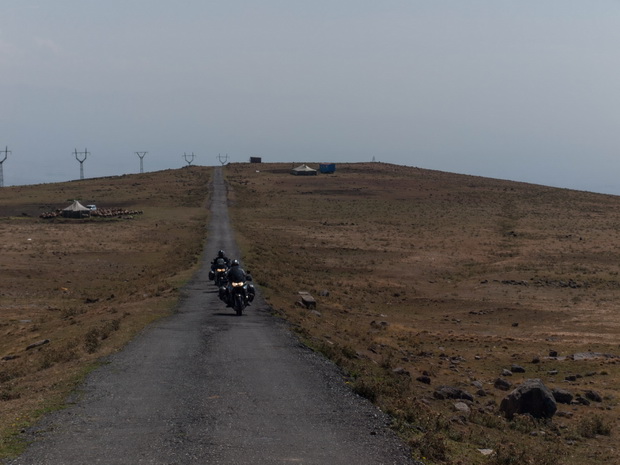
236	274
219	262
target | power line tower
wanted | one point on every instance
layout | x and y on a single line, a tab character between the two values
5	154
223	159
81	157
141	155
189	158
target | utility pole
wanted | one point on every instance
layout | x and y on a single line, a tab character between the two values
189	158
141	155
78	157
223	160
5	154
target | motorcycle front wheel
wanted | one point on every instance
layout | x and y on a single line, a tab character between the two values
239	304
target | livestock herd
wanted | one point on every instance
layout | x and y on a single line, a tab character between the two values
99	212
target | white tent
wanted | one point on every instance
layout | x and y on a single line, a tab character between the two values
303	170
76	210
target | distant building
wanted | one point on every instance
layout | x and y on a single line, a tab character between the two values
255	160
327	168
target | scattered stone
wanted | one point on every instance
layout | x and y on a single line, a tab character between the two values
477	384
562	396
6	358
552	372
571	378
536	360
324	293
553	353
502	384
517	369
486	452
531	397
379	324
506	372
591	356
38	344
316	313
481	393
580	401
306	299
463	408
514	325
564	414
400	371
424	379
449	392
593	396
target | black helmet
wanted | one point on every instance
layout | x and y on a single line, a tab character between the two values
235	263
221	254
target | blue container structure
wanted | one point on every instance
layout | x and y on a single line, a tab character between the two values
327	168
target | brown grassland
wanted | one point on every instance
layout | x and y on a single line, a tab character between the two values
87	285
454	278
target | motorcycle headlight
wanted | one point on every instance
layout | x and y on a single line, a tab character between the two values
221	270
237	284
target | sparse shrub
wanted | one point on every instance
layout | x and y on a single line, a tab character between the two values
488	420
525	454
91	341
523	423
431	445
8	394
362	388
589	427
349	352
108	328
62	354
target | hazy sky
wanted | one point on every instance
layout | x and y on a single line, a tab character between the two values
527	90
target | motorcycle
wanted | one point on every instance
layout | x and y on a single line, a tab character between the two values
218	273
240	295
219	277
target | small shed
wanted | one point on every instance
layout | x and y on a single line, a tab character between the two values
255	160
76	210
303	170
327	168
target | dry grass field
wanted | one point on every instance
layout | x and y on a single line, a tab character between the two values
78	289
432	279
450	280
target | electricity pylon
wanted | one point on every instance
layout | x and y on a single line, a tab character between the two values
189	158
5	154
78	157
223	159
141	155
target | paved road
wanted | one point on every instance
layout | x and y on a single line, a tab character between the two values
207	387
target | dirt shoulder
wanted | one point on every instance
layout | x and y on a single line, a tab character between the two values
74	290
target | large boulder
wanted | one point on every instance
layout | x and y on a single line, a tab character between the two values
531	397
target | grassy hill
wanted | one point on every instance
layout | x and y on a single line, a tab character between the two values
421	278
78	289
424	279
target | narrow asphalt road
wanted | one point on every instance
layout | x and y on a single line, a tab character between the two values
207	387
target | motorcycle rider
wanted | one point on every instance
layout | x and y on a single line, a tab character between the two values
236	274
221	259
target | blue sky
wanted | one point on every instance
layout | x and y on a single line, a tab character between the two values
525	90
